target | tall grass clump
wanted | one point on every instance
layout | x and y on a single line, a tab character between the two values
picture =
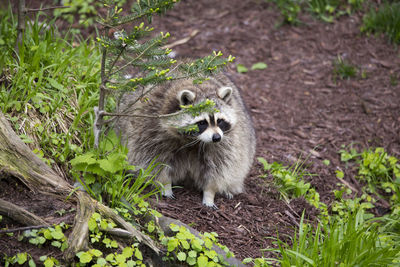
353	242
384	20
47	87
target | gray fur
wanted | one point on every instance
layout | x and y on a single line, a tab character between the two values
214	167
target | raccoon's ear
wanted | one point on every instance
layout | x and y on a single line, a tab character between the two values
224	92
186	97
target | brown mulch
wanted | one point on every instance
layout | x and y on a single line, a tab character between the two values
298	109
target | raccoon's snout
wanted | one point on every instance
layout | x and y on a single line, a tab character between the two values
216	137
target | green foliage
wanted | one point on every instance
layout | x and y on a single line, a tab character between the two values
104	173
289	9
87	10
326	10
194	251
345	203
353	242
288	179
240	68
126	256
343	70
54	235
385	20
21	258
48	89
259	66
40	237
380	171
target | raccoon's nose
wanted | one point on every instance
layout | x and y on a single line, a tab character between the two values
216	137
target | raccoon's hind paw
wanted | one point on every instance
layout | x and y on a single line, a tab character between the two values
229	195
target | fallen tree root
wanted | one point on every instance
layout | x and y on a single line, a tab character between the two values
19	214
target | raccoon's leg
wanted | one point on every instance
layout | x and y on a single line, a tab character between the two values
208	196
166	181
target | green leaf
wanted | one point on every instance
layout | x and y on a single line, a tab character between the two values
127	252
85	257
241	68
138	254
48	262
103	224
192	254
202	260
31	263
120	258
185	244
57	235
208	243
80	162
172	244
247	260
191	260
196	245
55	84
181	256
47	234
326	162
22	257
259	66
101	261
96	252
56	244
114	244
174	227
110	257
339	174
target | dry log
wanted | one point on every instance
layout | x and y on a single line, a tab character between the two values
20	214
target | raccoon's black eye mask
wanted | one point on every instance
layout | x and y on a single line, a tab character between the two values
202	126
223	125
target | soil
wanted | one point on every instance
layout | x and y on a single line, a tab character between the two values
298	107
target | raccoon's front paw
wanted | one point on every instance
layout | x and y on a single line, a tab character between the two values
210	205
208	199
167	191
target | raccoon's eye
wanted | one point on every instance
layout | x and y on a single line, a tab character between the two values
223	125
202	126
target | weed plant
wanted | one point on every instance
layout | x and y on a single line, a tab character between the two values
343	69
289	9
107	176
385	20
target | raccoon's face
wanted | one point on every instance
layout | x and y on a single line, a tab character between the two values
211	127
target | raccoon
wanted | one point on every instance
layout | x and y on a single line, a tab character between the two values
216	158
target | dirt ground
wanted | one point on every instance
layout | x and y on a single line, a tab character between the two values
297	108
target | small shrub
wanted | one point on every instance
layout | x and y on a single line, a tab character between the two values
384	20
343	69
